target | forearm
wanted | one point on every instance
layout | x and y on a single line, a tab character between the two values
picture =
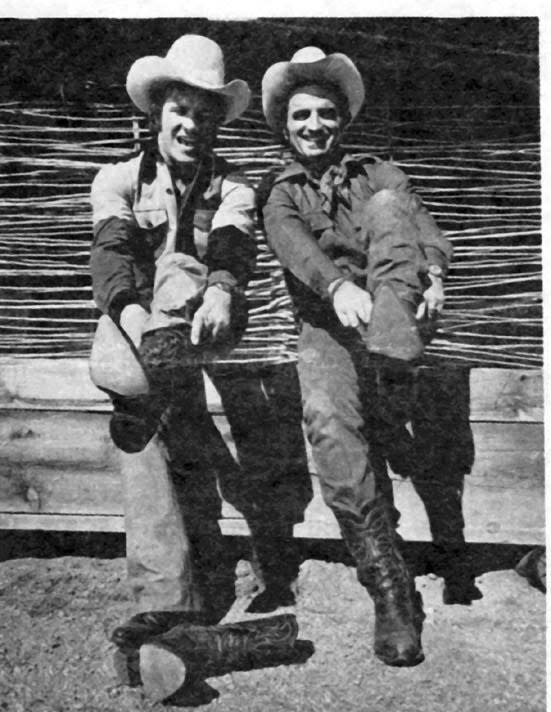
112	268
298	250
230	257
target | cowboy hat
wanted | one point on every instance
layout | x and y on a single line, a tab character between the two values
193	60
310	65
114	363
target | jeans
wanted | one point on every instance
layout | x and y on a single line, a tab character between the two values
172	502
348	404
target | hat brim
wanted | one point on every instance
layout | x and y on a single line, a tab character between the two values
114	365
337	69
150	72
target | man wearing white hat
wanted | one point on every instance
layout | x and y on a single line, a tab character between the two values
172	253
364	260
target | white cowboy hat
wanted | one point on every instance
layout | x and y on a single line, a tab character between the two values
307	66
194	60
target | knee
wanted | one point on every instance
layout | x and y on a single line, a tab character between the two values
389	199
328	417
319	411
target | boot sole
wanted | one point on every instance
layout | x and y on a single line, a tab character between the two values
161	671
401	662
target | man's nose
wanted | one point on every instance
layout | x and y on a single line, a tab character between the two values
189	123
314	123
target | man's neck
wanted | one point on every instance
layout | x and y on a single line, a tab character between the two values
183	172
317	167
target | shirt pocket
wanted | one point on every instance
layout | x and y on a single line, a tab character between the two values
152	228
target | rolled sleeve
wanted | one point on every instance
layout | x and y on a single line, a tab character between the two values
111	261
294	243
231	247
237	205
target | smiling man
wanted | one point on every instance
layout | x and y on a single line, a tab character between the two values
172	254
363	261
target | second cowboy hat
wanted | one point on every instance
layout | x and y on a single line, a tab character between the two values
310	65
194	60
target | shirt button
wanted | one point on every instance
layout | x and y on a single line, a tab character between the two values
169	191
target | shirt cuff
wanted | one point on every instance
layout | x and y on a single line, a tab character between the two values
121	300
221	276
435	257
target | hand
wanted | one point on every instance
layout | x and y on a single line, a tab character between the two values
433	299
213	316
352	304
132	321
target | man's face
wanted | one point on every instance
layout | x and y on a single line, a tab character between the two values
189	122
314	124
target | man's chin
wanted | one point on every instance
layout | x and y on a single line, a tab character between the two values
312	153
189	155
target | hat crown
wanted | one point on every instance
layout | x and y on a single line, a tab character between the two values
200	58
305	55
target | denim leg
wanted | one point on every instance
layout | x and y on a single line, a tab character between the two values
263	409
393	245
272	487
335	380
158	551
172	504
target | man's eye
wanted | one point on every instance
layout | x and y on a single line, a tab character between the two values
301	115
329	114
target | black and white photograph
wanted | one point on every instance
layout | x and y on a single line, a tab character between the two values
271	361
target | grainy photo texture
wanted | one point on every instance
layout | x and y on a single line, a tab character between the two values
271	402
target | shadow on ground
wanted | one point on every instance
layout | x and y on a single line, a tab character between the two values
47	545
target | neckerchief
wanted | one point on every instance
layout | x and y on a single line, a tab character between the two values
334	187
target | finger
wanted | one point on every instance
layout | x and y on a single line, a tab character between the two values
421	311
218	328
197	327
343	318
353	319
365	312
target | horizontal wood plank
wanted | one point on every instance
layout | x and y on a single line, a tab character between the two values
491	516
62	522
501	394
41	490
497	394
59	469
56	438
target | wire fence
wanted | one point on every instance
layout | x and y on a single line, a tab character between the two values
485	195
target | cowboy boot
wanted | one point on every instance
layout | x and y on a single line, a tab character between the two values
533	567
393	330
275	563
130	636
443	505
371	539
186	654
135	421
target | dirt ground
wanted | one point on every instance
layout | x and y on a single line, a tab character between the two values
55	655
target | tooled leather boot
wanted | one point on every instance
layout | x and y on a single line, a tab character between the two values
186	654
372	541
136	631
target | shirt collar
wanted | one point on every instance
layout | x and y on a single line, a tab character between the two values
295	168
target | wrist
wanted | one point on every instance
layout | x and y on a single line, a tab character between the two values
435	271
335	285
223	286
